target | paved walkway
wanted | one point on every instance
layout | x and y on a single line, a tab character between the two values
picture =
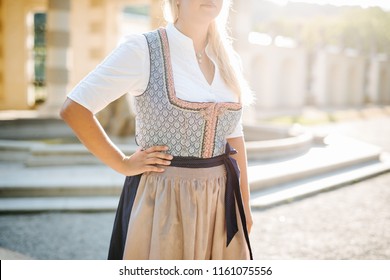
352	222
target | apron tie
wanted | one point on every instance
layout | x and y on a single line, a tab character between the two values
233	195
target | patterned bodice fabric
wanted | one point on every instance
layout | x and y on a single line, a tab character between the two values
189	129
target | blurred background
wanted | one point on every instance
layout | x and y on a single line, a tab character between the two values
320	73
295	53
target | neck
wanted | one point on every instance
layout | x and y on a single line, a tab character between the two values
198	33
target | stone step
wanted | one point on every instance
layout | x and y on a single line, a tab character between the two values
72	180
15	151
262	199
78	180
342	160
54	153
51	153
283	148
340	153
84	180
263	143
43	204
290	192
32	126
69	154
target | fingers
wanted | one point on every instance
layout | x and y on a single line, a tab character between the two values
158	161
155	157
156	149
152	168
157	153
152	159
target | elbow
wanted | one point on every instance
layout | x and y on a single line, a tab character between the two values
64	112
72	111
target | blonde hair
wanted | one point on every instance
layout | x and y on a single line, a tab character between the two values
227	59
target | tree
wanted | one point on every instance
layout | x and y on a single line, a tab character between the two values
366	30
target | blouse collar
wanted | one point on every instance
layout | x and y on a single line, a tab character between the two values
182	41
179	37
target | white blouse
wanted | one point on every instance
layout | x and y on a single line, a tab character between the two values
127	69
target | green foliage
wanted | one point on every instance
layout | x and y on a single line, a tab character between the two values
40	20
40	29
364	29
143	10
367	30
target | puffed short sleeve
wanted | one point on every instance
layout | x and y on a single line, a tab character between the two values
125	70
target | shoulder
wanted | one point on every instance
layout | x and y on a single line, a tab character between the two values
134	42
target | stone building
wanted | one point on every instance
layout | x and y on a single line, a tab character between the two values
278	76
339	78
80	33
379	77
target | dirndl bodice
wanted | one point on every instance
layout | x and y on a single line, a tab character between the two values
189	129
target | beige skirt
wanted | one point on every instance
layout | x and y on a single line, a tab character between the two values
180	214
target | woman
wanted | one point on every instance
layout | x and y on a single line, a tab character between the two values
182	197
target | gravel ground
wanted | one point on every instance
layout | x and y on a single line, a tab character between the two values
352	222
59	236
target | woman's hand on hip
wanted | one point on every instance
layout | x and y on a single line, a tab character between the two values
149	160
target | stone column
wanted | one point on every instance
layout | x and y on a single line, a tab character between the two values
14	55
384	83
58	42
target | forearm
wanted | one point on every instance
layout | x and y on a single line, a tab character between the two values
91	134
